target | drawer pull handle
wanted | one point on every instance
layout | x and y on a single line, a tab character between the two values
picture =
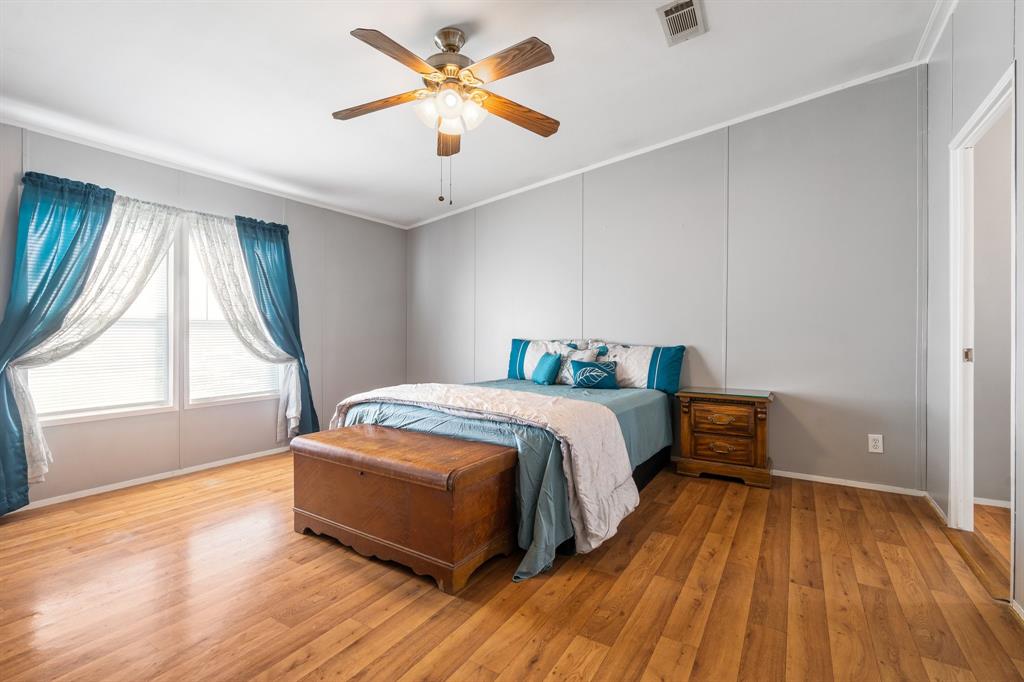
721	419
721	448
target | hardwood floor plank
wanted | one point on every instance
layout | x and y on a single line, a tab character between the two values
987	659
879	520
807	642
993	524
940	672
764	654
580	662
689	616
538	656
628	656
721	646
718	657
928	626
365	649
614	610
867	560
895	651
936	572
853	654
804	552
1007	628
770	600
500	648
670	661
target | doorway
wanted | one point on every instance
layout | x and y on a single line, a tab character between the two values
983	266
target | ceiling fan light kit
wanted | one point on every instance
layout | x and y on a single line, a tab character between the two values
452	100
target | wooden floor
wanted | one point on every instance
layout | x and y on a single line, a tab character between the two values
202	578
987	549
993	525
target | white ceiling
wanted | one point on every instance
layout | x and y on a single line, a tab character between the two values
244	91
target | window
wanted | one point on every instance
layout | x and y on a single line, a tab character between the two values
219	366
127	367
130	366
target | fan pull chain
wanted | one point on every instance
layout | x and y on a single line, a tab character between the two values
450	161
440	197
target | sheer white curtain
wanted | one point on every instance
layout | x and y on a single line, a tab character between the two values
216	241
135	241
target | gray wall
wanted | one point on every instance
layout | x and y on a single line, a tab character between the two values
353	333
783	252
992	344
976	48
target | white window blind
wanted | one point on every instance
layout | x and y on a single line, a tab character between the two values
128	366
219	366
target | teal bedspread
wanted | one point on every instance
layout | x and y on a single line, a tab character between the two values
544	522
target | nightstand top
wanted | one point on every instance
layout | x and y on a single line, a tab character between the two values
708	391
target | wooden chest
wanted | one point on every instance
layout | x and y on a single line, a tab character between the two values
440	506
725	432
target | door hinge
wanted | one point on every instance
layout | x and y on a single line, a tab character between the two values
968	355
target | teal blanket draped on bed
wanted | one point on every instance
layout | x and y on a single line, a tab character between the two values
544	522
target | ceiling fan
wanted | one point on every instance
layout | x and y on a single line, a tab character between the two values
453	100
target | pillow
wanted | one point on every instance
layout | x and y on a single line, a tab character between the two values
593	374
569	356
526	353
547	369
655	367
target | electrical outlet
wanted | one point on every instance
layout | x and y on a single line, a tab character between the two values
875	443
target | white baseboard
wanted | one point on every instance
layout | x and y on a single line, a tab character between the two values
46	502
1017	610
853	484
1005	504
937	508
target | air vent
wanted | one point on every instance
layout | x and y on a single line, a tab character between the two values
682	20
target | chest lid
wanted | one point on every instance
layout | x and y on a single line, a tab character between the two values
419	458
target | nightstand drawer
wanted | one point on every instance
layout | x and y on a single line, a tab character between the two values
722	418
723	449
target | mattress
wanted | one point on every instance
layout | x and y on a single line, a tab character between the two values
643	413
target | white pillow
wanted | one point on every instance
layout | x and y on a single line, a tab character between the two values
568	355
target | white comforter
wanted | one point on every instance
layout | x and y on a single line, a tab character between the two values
597	468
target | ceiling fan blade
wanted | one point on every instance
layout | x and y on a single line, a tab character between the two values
520	57
448	145
375	105
534	121
378	40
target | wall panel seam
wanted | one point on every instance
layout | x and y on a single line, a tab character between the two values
725	262
921	406
583	224
476	266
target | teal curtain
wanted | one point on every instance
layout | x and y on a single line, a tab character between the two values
269	261
60	226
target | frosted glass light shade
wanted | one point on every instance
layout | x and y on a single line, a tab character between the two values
472	114
426	111
448	102
452	126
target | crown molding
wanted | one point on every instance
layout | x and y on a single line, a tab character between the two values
681	138
47	122
941	14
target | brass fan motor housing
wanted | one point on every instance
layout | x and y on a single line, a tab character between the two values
449	61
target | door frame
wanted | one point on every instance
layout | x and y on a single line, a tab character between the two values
961	211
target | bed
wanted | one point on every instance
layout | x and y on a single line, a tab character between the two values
542	489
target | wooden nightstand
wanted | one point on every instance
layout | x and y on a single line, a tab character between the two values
724	431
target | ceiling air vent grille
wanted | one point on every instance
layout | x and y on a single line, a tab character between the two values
682	20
